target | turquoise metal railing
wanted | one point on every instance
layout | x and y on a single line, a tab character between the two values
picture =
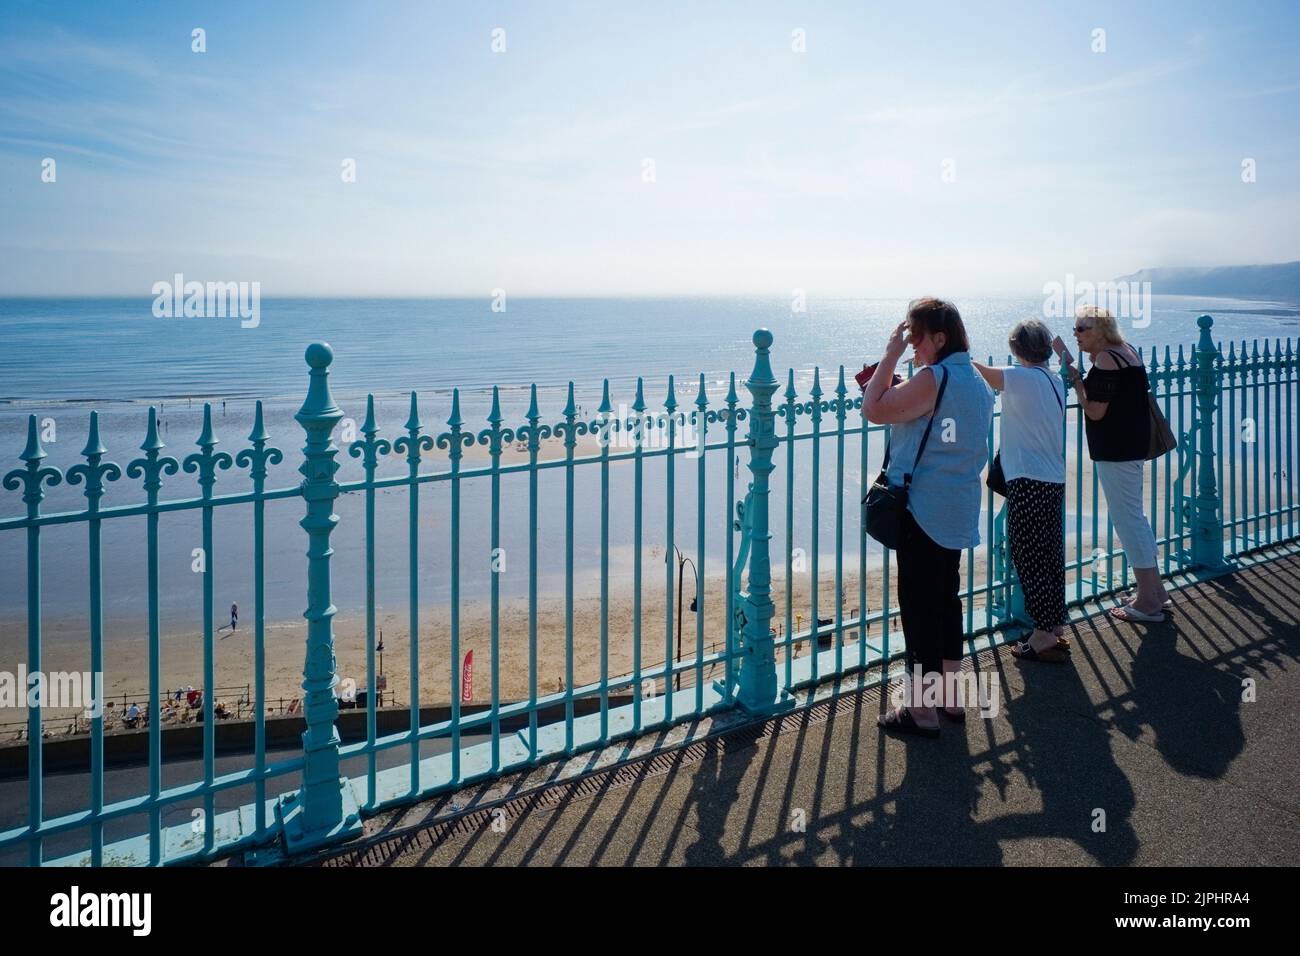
1218	497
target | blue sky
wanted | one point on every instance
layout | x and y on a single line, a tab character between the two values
524	170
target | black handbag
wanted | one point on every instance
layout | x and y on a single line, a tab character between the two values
885	505
997	479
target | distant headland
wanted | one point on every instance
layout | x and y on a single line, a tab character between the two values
1277	281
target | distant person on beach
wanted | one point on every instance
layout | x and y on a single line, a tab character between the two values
943	504
234	616
1033	463
1118	423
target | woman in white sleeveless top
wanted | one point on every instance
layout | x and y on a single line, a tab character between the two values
1033	462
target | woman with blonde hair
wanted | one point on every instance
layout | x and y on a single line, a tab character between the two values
1113	397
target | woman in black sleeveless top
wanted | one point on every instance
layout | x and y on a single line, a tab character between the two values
1118	423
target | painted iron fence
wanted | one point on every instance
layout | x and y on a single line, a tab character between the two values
1228	490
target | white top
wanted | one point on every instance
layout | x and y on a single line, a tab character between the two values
1032	422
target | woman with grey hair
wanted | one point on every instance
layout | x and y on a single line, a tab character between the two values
1033	462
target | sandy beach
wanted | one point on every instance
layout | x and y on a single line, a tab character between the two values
181	661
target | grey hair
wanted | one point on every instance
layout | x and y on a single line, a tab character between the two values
1031	341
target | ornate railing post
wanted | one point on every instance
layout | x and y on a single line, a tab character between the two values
325	809
1207	529
757	690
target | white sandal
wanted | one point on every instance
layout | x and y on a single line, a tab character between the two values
1127	612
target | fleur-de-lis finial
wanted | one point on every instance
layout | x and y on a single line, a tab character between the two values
207	460
534	431
95	472
153	465
370	447
570	428
604	423
34	475
260	455
413	442
702	404
816	406
637	421
495	436
455	441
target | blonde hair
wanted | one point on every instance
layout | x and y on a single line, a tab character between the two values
1103	321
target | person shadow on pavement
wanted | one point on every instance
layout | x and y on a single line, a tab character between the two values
1029	773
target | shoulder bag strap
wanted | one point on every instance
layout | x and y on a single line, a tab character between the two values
907	478
1052	384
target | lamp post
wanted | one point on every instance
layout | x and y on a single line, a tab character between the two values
682	561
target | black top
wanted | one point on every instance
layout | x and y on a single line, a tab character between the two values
1124	432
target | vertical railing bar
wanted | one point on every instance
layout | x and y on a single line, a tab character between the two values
840	393
413	442
606	423
151	467
1291	379
30	478
814	647
701	425
729	667
570	442
1218	436
536	432
369	448
638	407
670	546
862	544
1232	437
452	440
1078	499
1187	514
1277	435
791	419
205	463
1155	469
1268	454
1184	389
1168	377
257	458
1254	450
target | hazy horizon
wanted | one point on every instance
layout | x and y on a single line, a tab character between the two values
842	152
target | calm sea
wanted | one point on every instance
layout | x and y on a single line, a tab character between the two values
60	358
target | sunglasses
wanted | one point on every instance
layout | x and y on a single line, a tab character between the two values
1082	328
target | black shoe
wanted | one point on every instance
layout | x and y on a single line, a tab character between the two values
901	721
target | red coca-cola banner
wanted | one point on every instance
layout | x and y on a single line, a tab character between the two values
467	678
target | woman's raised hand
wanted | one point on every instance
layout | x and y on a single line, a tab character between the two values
897	343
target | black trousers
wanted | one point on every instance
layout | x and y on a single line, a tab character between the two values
929	582
1037	539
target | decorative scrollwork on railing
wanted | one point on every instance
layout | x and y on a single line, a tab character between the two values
95	472
257	458
34	475
496	436
153	465
206	461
